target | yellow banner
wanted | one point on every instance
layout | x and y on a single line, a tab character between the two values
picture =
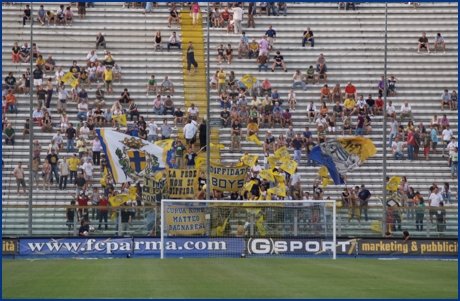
279	190
326	181
228	178
283	154
217	145
182	183
260	226
362	147
68	78
121	119
119	199
200	162
323	172
289	166
185	220
273	160
153	190
254	139
166	144
249	80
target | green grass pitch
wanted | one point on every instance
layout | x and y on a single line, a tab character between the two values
230	278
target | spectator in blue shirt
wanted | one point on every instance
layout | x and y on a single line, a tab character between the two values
271	35
172	163
41	15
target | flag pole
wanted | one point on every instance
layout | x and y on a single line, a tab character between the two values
208	116
384	175
31	126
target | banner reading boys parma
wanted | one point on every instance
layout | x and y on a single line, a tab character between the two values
227	178
182	183
342	155
131	158
185	220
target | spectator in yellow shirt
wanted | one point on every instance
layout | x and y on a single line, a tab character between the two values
253	129
73	163
40	62
107	76
222	80
349	104
51	16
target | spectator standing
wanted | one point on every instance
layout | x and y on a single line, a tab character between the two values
191	58
359	125
251	13
64	173
46	174
165	130
453	161
53	160
88	172
364	195
271	36
238	14
20	176
96	148
196	11
81	9
410	144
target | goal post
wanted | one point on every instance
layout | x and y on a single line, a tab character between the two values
227	228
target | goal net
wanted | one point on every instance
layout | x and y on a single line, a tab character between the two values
201	228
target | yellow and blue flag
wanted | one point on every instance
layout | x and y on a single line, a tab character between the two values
342	155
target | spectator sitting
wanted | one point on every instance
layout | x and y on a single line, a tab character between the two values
100	41
370	105
292	99
446	99
98	117
322	73
83	96
311	110
125	96
350	91
100	71
325	93
308	37
350	4
279	62
231	81
22	89
321	60
10	82
158	105
109	60
158	42
253	49
99	102
252	128
439	39
92	73
323	110
47	125
11	102
61	15
262	61
444	122
173	15
397	149
82	110
168	106
108	118
243	49
91	58
49	65
286	118
423	43
192	112
132	109
225	118
24	53
338	111
9	134
266	87
75	70
229	54
391	110
37	116
406	111
117	72
68	16
349	105
298	80
311	74
378	105
26	15
41	14
152	83
178	117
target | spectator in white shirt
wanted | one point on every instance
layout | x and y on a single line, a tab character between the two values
58	140
299	80
391	110
153	131
52	146
190	133
84	131
57	76
435	199
88	172
237	18
311	110
192	111
452	145
174	41
91	58
446	136
406	111
116	70
63	97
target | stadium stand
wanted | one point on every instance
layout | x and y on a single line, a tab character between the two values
352	43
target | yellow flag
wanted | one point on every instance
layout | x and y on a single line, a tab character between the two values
104	178
323	172
68	78
283	153
267	174
133	193
326	181
362	147
393	183
220	229
248	185
279	190
273	160
113	216
289	166
376	226
121	119
217	145
249	160
249	80
158	175
260	225
200	162
119	199
166	144
254	139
